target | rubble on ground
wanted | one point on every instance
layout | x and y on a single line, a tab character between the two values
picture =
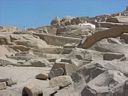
74	56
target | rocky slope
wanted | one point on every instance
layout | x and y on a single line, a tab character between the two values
74	56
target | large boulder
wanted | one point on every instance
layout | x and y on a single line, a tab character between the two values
78	33
41	76
108	82
80	54
90	71
123	48
62	67
35	88
121	66
112	56
58	40
61	81
56	72
31	41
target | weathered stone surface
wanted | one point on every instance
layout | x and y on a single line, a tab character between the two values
108	81
19	48
90	71
126	88
112	56
35	88
32	41
66	65
66	50
57	40
114	20
112	48
4	79
125	37
113	40
10	82
88	92
2	85
80	54
67	91
9	93
68	28
49	50
22	56
113	32
73	45
56	21
4	62
42	76
77	32
123	19
21	32
56	72
76	77
50	91
118	19
43	29
110	24
79	63
121	66
44	64
61	81
3	40
39	62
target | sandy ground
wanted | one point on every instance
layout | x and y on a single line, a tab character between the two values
22	75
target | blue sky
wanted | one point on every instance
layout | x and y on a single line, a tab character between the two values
32	13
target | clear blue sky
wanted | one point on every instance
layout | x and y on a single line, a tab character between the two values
32	13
